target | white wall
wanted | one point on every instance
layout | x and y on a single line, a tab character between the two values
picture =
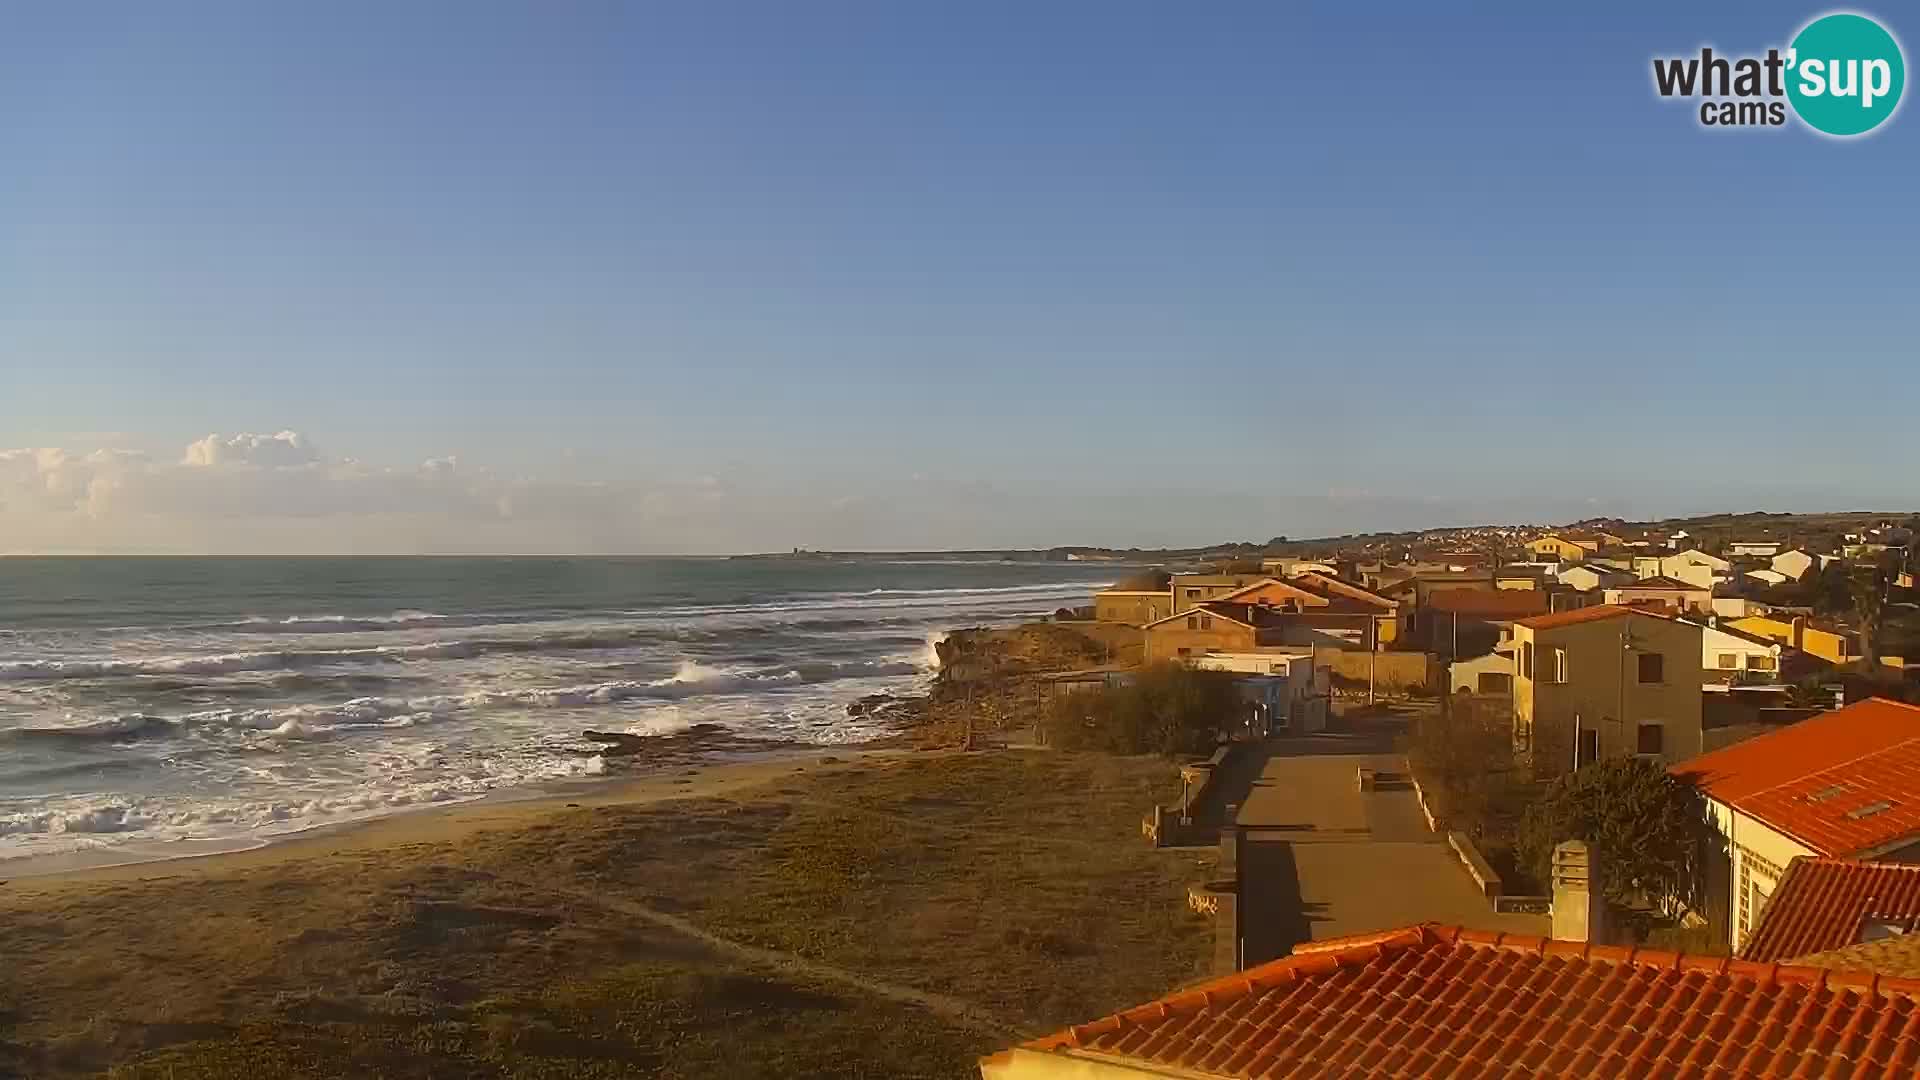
1756	851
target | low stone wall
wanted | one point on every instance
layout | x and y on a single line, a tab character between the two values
1477	868
1392	672
1172	825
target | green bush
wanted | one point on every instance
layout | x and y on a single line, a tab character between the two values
1167	709
1650	828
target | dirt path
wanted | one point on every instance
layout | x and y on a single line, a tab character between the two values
964	1013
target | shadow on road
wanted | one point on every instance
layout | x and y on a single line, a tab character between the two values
1271	884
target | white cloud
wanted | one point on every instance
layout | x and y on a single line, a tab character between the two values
271	451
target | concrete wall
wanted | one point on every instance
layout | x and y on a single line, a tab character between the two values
1758	857
1393	672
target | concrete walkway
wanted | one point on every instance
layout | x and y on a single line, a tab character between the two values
1321	859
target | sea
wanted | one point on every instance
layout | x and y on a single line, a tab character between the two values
160	706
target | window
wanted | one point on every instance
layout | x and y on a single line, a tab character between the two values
1186	652
1206	622
1526	660
1729	660
1760	663
1652	667
1193	622
1652	739
1559	658
1193	594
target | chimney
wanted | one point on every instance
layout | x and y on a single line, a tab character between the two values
1799	631
1579	912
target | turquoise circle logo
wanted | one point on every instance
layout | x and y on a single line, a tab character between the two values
1845	74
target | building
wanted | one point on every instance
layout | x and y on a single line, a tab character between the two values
1134	607
1523	575
1551	548
1827	904
1732	656
1692	566
1764	549
1767	576
1605	681
1285	690
1586	577
1441	1001
1468	622
1212	627
1489	674
1844	784
1824	640
1276	594
1665	593
1192	590
1795	564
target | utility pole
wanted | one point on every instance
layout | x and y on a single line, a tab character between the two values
1373	655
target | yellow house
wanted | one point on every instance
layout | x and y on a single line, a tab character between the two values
1602	682
1555	547
1831	645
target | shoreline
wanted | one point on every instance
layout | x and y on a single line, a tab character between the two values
56	872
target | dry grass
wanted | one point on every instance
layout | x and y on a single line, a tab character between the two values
1014	882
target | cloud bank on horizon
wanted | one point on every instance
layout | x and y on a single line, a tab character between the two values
283	493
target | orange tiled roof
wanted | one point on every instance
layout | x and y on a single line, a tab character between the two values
1664	583
1821	903
1578	615
1442	1001
1844	782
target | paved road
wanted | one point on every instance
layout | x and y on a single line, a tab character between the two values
1321	859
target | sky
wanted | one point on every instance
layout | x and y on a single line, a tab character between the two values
724	276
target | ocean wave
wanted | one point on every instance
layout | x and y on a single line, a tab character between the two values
322	721
615	637
89	820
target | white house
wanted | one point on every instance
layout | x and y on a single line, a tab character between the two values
1840	785
1586	577
1726	653
1284	689
1768	577
1764	549
1738	607
1793	564
1693	566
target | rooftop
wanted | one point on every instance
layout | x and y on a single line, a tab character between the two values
1824	904
1490	604
1845	782
1440	1001
1661	581
1595	613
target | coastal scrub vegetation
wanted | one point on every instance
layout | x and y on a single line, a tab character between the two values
1166	708
871	918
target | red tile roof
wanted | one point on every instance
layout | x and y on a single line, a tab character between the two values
1490	603
1821	903
1441	1001
1845	782
1578	615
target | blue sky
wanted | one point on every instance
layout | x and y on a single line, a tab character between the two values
929	274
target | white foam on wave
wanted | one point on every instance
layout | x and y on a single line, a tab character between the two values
691	679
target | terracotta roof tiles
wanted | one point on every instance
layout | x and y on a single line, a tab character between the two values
1441	1001
1845	782
1593	613
1821	903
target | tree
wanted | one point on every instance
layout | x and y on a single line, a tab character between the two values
1465	751
1867	586
1168	709
1650	827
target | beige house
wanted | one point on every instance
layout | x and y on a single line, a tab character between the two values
1605	681
1134	607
